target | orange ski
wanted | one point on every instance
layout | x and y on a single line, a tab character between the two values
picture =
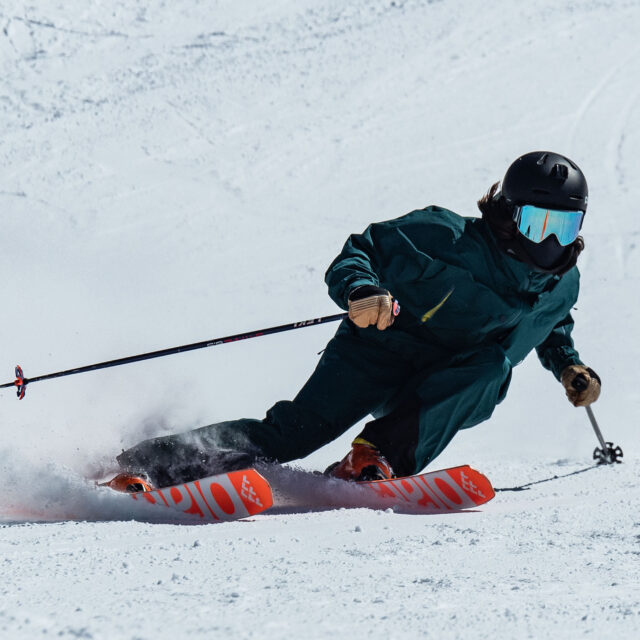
221	498
442	491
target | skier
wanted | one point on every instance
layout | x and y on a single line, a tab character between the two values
476	294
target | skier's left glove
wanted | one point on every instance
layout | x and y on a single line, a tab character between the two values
582	385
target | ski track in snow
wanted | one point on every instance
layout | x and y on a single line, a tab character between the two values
172	172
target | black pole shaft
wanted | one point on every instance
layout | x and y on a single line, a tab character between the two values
187	347
596	428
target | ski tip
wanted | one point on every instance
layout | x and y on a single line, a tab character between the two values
475	484
254	490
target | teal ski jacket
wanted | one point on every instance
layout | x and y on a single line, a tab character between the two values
458	291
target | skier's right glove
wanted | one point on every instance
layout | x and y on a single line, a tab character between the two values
371	305
582	385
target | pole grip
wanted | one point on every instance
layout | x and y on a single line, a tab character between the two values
580	382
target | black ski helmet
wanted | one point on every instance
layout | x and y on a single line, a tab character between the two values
545	179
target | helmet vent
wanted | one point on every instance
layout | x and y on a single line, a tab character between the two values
560	171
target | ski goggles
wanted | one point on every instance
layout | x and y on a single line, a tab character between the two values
538	223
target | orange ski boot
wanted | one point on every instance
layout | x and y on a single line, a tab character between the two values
363	463
129	483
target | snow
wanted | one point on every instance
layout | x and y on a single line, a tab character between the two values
173	172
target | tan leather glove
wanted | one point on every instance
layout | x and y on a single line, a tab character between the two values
371	305
582	385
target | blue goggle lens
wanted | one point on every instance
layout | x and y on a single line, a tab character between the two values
537	223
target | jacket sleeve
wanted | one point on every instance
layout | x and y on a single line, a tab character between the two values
393	252
358	264
557	352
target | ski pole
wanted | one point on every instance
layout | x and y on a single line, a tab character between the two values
21	381
607	453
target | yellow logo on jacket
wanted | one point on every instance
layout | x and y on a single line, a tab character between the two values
432	312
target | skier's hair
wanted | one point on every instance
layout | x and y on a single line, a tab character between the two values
486	199
497	212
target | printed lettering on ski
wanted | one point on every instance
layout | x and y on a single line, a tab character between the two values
221	498
434	492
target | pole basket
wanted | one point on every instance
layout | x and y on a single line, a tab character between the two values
21	385
610	455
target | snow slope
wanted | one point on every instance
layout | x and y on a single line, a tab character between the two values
172	172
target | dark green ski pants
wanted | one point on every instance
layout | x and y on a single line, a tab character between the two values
419	406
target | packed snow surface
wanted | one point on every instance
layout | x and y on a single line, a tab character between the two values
177	171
